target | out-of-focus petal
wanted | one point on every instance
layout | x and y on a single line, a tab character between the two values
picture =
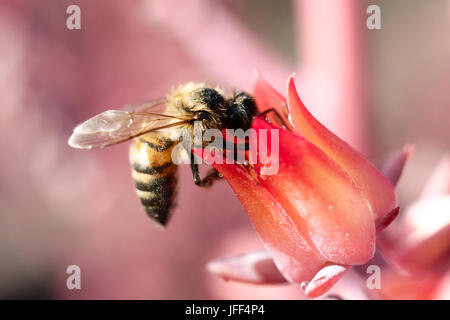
375	187
426	217
426	242
439	182
403	287
324	280
254	267
321	200
394	167
443	290
422	240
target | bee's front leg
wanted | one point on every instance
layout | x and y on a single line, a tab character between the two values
210	177
213	174
278	116
208	180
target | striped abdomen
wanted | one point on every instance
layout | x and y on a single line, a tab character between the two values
154	174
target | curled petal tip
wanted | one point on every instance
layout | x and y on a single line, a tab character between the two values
324	280
254	267
291	84
394	167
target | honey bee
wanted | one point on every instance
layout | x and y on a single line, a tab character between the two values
151	125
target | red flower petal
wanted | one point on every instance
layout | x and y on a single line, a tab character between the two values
318	207
321	199
375	187
266	96
293	256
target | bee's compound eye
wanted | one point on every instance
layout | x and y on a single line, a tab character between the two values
241	112
237	119
245	102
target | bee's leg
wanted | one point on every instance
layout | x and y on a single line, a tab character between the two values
213	174
278	116
208	180
244	146
236	147
248	166
210	177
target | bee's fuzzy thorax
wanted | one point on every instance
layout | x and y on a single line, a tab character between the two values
197	99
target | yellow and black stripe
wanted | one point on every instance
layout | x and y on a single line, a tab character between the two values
154	174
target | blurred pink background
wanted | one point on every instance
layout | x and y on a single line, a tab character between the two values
378	89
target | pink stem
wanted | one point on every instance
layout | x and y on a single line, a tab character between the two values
333	65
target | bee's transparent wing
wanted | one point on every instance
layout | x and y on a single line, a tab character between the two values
155	105
115	126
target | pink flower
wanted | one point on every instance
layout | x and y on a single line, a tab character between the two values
319	214
418	245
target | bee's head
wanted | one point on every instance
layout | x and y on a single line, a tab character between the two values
242	108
